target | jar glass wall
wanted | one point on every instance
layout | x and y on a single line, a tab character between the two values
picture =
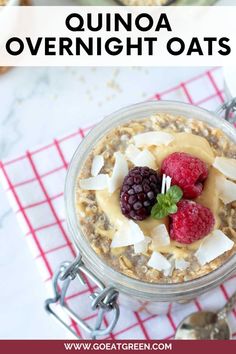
134	293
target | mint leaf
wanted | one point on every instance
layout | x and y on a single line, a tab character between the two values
166	203
161	198
159	212
172	209
175	194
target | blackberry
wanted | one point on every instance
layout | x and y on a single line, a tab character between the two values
138	192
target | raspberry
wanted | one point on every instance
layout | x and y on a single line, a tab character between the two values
138	192
191	222
187	172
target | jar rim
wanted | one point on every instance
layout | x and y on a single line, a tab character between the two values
132	286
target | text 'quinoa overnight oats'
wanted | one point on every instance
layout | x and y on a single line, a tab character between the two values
156	198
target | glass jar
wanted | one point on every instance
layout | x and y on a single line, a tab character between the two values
134	293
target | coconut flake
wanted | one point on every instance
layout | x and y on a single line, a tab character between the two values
168	272
136	232
226	166
159	262
168	183
97	165
181	264
153	138
120	170
142	246
122	237
163	184
226	189
213	246
160	236
128	234
145	158
132	152
97	183
140	158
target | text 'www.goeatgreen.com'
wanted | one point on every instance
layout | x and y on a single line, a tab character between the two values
134	346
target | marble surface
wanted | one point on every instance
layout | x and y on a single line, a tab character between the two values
37	105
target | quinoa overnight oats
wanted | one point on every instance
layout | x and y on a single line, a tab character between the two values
149	249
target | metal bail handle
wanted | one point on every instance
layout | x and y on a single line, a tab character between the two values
228	109
104	299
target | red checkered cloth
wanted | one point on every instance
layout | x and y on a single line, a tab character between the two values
34	184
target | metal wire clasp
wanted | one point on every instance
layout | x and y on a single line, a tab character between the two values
103	300
228	108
